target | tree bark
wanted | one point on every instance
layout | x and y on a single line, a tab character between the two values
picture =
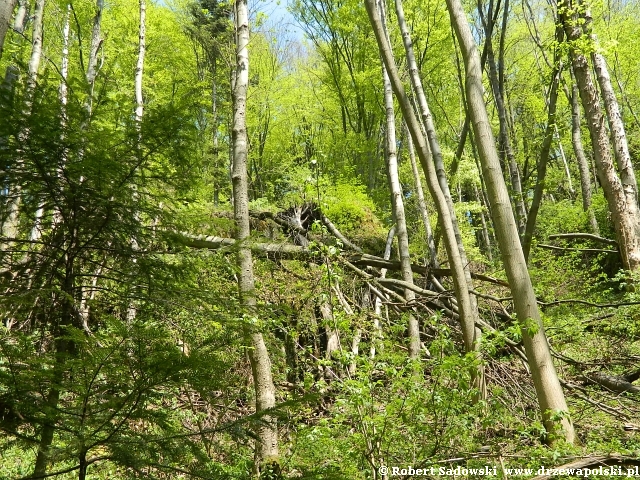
506	149
551	398
142	47
267	456
378	334
614	117
620	194
10	225
92	64
6	12
460	284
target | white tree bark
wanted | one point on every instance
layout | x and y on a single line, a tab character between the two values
551	398
397	204
378	334
460	285
267	455
581	158
436	154
92	64
142	47
6	13
10	225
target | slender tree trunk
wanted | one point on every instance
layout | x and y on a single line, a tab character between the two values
544	153
436	153
581	158
6	13
422	204
92	64
267	455
142	48
551	398
485	230
467	319
506	149
397	205
10	225
36	230
620	194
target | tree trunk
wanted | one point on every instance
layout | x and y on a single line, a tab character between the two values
614	117
377	306
267	456
544	153
506	150
397	205
467	319
620	195
6	12
422	205
92	65
436	154
142	47
548	389
581	158
10	225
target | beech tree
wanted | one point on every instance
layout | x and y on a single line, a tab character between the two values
551	398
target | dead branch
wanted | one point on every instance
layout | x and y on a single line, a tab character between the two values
584	236
336	233
378	262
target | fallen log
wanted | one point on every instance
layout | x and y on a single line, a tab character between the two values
610	382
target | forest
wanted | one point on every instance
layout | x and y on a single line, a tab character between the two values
399	240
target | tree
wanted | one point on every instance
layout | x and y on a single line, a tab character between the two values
267	457
619	188
467	320
6	14
551	398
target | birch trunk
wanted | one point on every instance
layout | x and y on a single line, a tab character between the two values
142	47
36	230
92	65
549	392
6	13
267	450
460	286
620	194
10	225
